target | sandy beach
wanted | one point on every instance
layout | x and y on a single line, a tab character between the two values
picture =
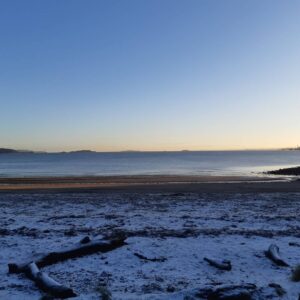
154	183
169	228
149	150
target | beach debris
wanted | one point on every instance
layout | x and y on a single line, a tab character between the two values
170	288
243	291
82	250
228	292
294	244
280	291
273	254
296	274
222	265
151	287
85	240
71	232
4	232
48	284
104	292
154	259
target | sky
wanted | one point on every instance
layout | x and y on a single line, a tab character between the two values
149	74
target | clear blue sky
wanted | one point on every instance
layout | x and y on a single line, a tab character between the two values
149	74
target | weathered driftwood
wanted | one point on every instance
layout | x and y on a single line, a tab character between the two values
81	250
222	265
154	259
294	244
46	283
273	254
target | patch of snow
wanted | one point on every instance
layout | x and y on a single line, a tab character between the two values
181	229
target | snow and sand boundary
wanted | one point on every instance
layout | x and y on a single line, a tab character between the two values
169	233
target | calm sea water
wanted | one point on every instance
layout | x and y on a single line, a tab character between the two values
140	163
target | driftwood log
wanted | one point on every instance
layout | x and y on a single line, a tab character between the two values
294	244
81	250
154	259
46	283
273	254
222	265
49	285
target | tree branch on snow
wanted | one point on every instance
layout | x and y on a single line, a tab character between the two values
222	265
74	252
49	285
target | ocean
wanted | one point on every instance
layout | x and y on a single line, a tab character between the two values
145	163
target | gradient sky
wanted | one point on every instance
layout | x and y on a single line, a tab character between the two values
149	74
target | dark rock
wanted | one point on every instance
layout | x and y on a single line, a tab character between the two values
287	171
294	244
85	240
170	289
4	231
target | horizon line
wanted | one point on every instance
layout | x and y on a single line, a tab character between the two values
181	150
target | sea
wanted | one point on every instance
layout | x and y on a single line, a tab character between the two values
224	163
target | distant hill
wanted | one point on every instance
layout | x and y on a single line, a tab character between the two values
292	149
5	150
8	151
81	151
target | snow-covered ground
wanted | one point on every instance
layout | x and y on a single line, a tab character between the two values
177	229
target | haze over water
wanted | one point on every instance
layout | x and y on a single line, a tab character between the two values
145	163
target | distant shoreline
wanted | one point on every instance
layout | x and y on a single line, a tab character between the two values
17	151
286	171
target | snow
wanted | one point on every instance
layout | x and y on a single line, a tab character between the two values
181	228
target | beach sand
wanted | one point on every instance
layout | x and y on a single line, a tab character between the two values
155	183
175	225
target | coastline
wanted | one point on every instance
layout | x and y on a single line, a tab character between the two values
153	183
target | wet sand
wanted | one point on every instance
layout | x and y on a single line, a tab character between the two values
153	183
